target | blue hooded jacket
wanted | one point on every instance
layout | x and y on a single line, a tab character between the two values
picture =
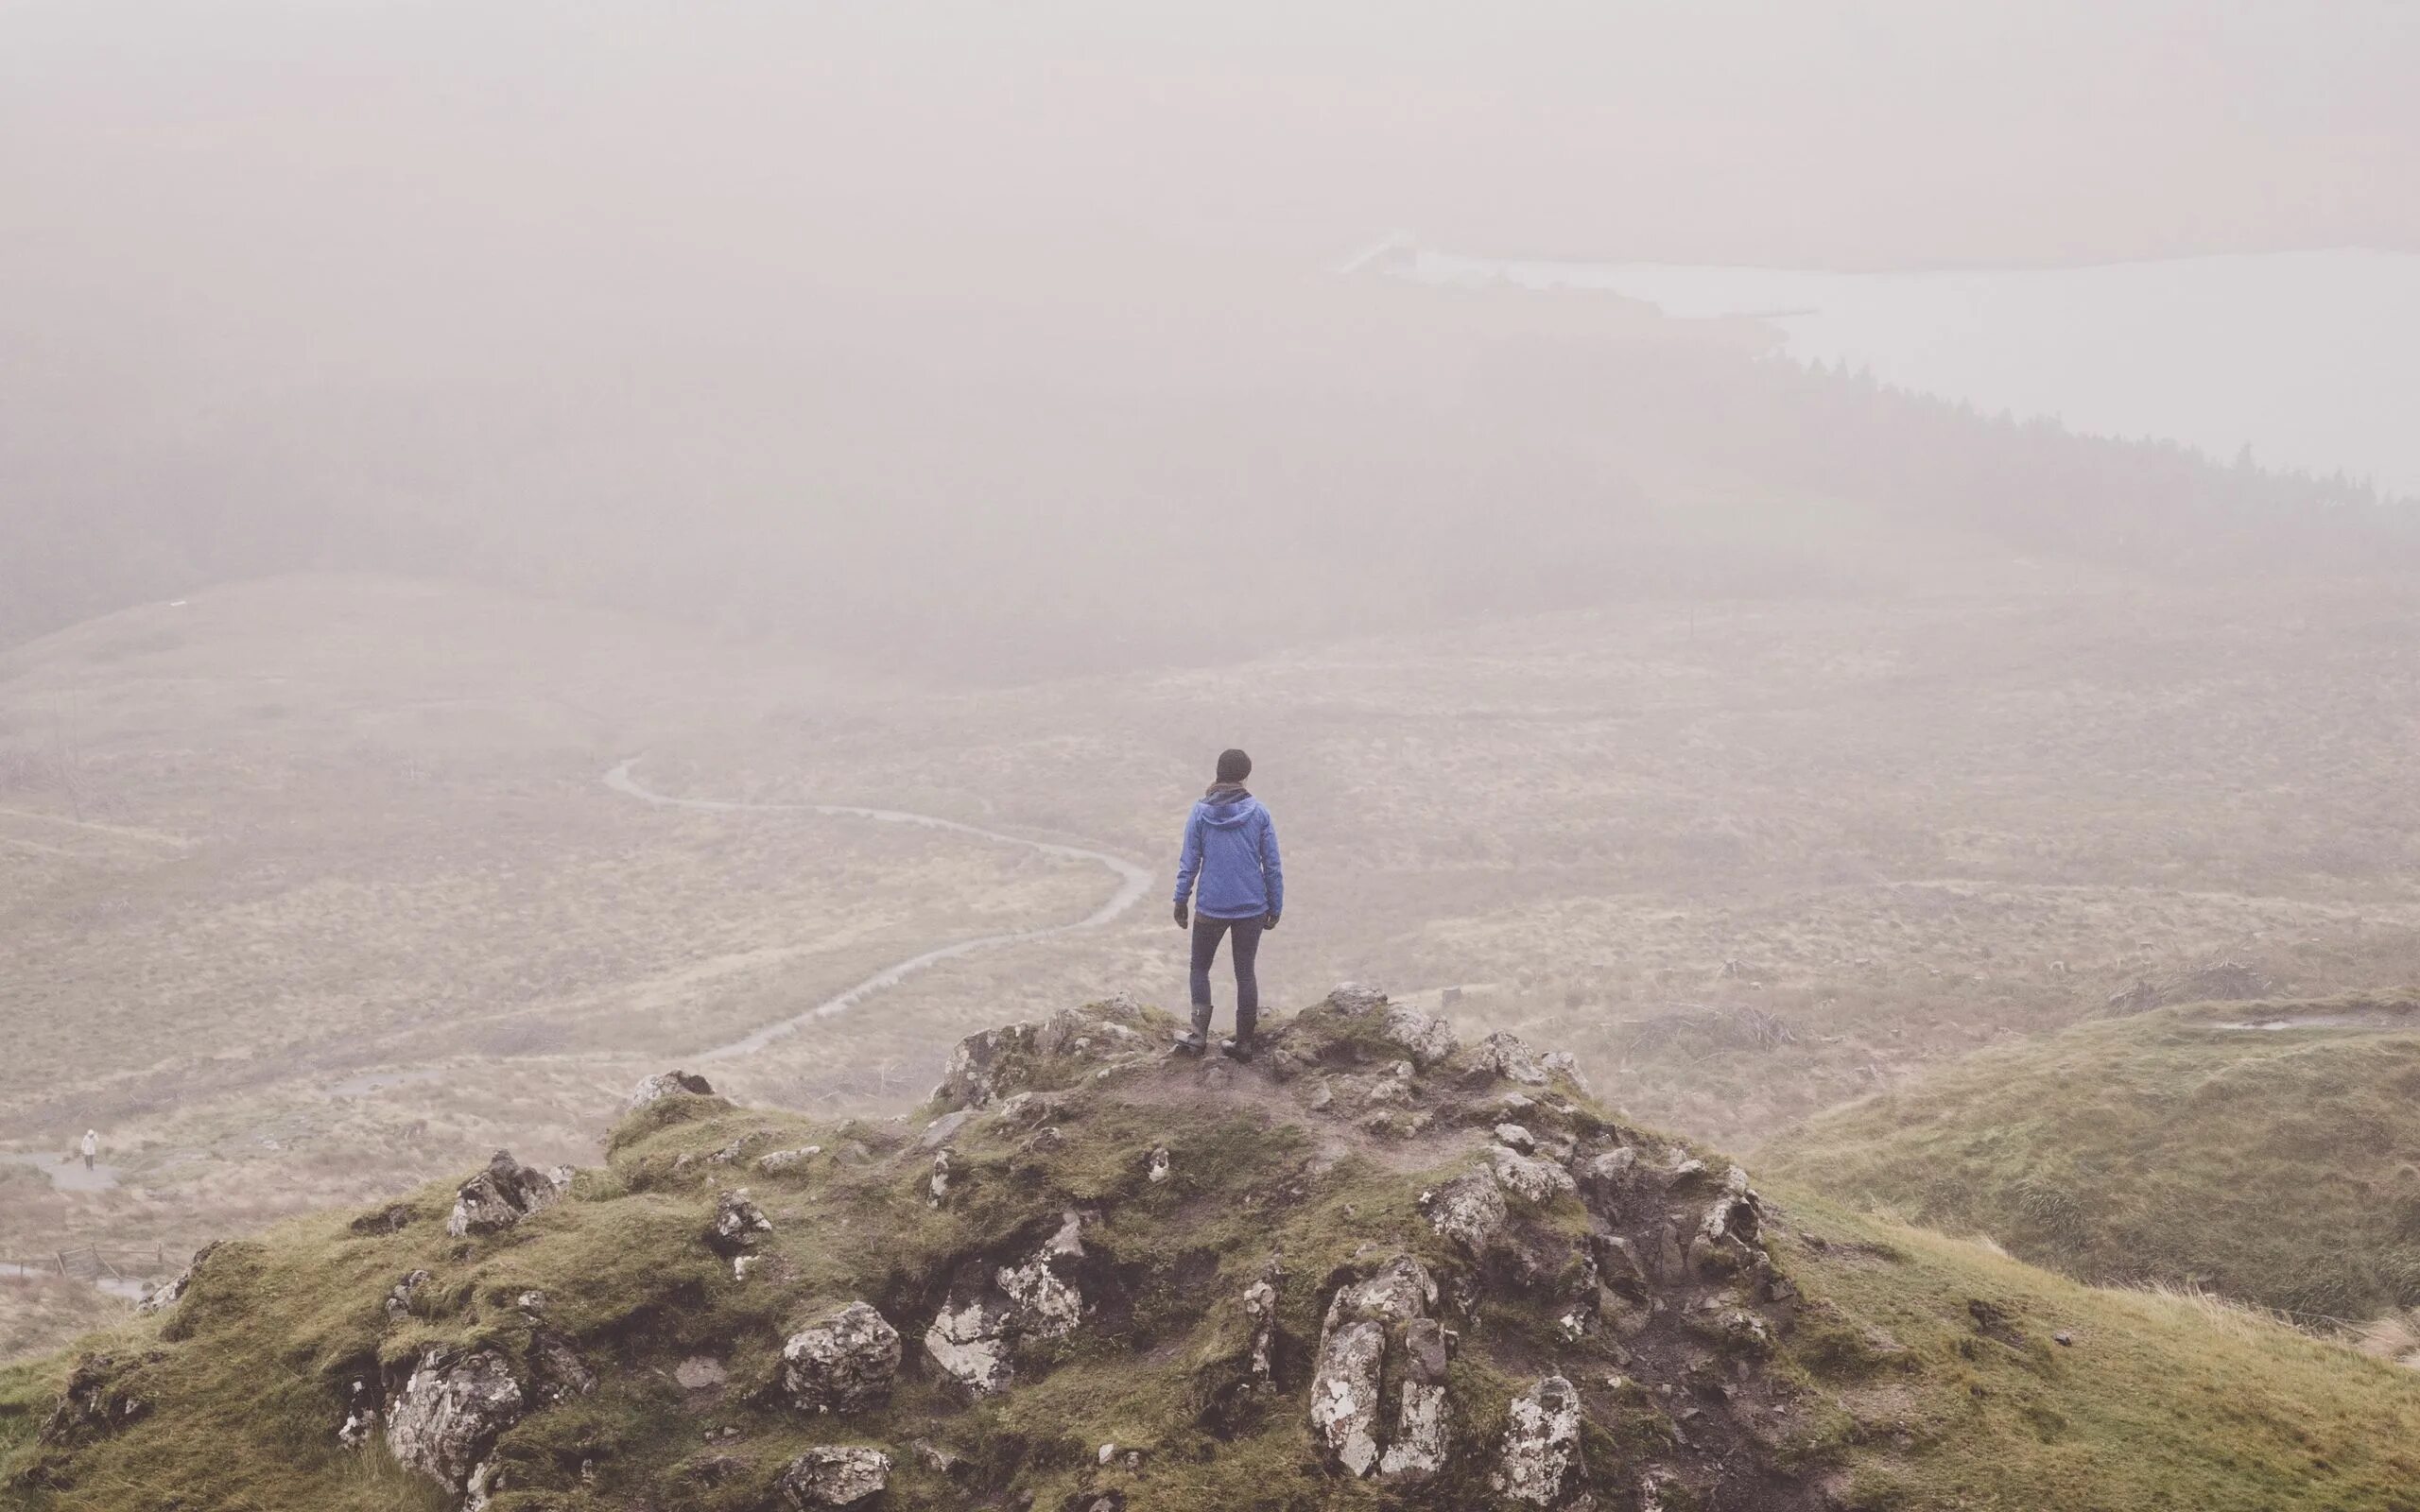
1231	845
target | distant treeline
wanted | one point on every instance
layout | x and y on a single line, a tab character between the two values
1015	486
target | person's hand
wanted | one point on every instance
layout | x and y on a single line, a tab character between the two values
1184	917
1269	921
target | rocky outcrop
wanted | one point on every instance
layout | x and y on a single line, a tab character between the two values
1423	1038
1524	1176
1726	1235
667	1084
845	1362
162	1297
1370	1323
503	1195
1507	1056
774	1162
1469	1210
1420	1444
737	1222
1260	1308
449	1414
986	1068
983	1319
1541	1449
399	1296
834	1475
103	1395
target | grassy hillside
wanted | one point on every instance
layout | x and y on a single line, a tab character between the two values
2269	1151
266	851
1718	1350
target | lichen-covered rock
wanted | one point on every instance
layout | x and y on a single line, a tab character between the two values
1356	1000
1507	1056
399	1296
1048	1303
1469	1210
1345	1393
1514	1137
737	1222
449	1413
968	1342
1611	1176
1260	1307
1541	1443
834	1475
502	1195
1367	1322
843	1362
972	1078
667	1084
1726	1237
1039	1298
1526	1177
1418	1448
942	1130
162	1297
1424	1036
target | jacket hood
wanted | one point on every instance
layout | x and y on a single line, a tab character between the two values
1227	805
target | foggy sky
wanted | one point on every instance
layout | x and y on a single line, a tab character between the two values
624	257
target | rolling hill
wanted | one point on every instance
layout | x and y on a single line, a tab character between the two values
1377	1267
2269	1151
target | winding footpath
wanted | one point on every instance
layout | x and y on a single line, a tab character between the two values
1132	882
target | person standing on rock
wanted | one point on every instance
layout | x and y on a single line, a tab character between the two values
92	1146
1231	851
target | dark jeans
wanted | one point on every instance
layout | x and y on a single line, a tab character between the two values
1206	934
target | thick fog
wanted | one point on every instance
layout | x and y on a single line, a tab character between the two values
956	331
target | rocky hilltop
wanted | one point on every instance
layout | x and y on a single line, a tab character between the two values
1379	1266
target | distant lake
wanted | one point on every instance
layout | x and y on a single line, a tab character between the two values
2310	358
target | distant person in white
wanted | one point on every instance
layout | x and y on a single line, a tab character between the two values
92	1146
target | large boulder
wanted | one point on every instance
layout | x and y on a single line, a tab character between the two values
1541	1443
668	1084
980	1066
450	1411
1469	1210
1369	1323
987	1315
1528	1177
834	1475
1423	1038
1507	1056
1418	1448
1345	1392
503	1195
844	1362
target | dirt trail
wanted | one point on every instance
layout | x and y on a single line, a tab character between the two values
1132	883
67	1173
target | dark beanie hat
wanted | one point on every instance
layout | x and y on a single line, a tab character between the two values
1234	766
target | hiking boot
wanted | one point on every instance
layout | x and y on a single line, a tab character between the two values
1240	1050
1188	1043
